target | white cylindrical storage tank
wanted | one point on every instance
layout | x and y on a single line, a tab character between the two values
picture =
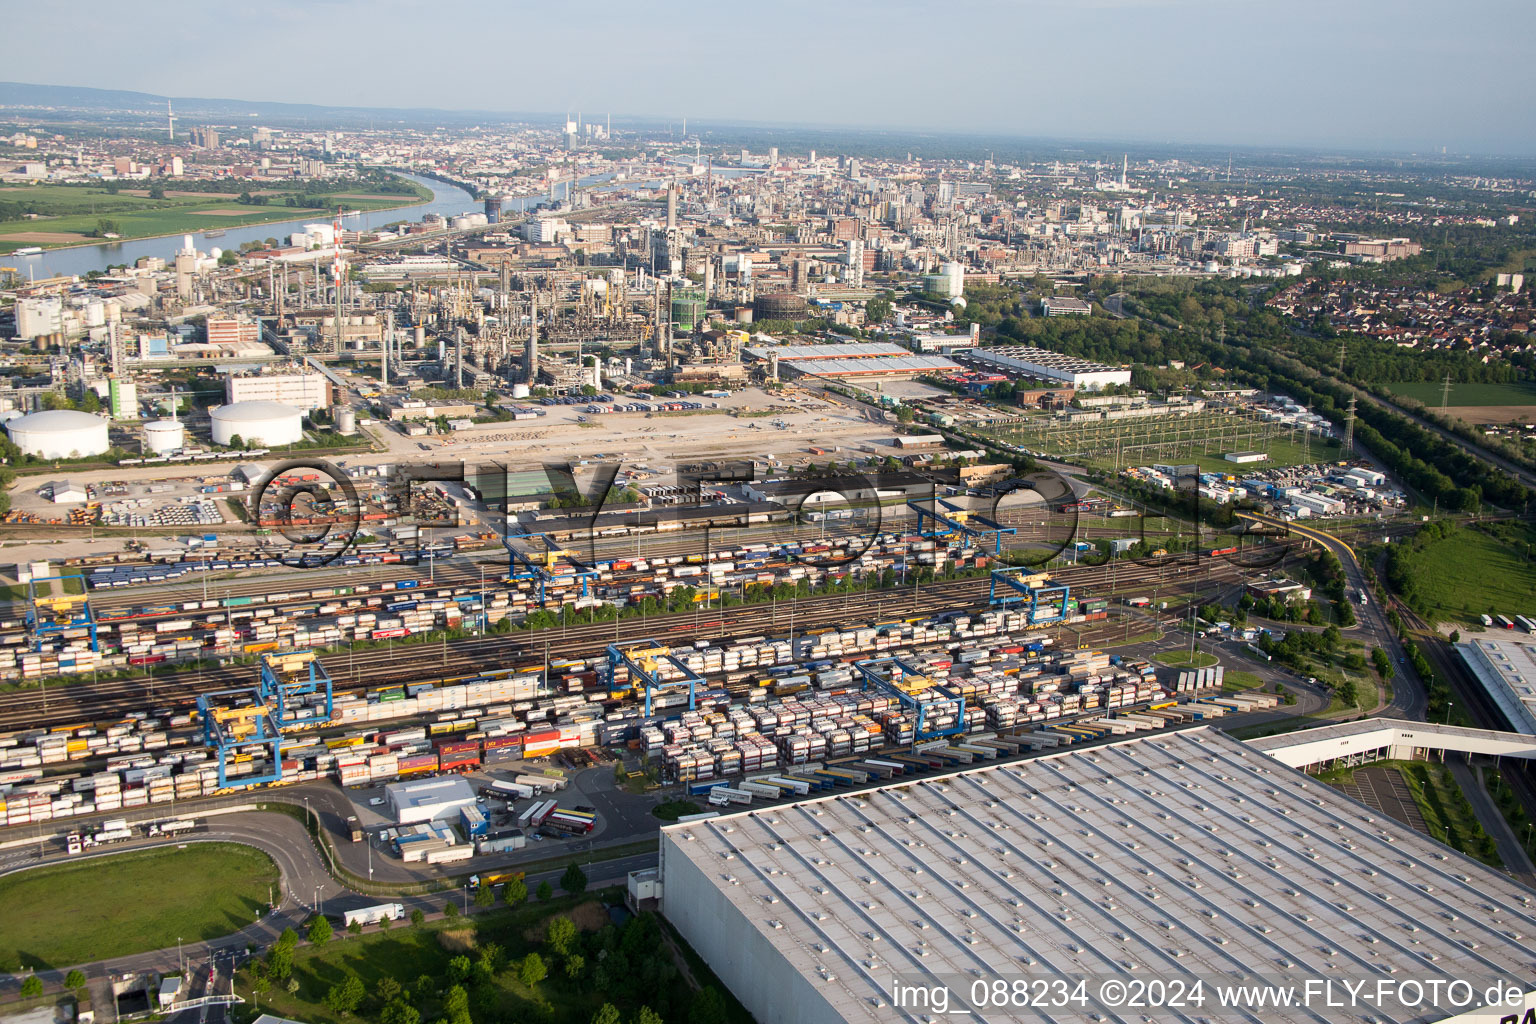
161	436
264	423
59	434
519	390
95	314
346	421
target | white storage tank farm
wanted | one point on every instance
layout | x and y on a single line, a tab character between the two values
346	421
265	423
59	434
162	436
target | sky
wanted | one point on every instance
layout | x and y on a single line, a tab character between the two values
1405	75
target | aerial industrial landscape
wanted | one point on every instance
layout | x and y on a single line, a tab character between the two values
749	566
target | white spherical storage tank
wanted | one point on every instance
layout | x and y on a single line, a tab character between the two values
59	434
263	423
161	436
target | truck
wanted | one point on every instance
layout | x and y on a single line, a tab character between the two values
355	827
171	828
373	914
73	843
112	832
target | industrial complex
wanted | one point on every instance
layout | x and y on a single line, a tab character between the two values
901	581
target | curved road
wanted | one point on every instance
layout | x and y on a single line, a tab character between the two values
1409	698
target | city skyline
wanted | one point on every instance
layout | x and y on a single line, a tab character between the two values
1169	71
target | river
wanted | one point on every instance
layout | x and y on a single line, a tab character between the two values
447	201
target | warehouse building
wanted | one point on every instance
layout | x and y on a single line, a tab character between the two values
1041	364
1172	856
436	799
303	391
1506	668
853	361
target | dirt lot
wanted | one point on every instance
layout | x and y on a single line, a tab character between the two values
40	237
1495	413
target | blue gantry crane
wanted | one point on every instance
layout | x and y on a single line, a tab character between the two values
523	566
914	691
49	613
957	519
237	720
644	660
1044	601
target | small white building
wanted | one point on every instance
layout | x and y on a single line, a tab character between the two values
67	493
438	799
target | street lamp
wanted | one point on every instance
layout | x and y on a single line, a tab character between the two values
1448	705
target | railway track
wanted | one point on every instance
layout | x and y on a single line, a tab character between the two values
84	700
1471	695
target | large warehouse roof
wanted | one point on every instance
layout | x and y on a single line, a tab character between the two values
867	366
1175	855
1507	670
852	350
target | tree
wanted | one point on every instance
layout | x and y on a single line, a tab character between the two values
228	258
236	441
708	1007
279	961
157	191
33	986
545	892
450	909
355	928
90	402
387	988
485	896
560	934
74	979
456	1005
515	891
574	880
418	918
261	986
606	1014
344	998
646	1015
458	969
531	970
574	965
320	931
877	310
398	1011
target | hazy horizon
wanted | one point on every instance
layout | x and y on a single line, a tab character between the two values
1363	75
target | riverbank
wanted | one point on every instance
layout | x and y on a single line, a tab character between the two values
135	221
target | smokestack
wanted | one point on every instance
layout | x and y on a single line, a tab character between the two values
531	353
671	207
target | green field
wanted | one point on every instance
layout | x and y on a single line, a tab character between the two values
1183	659
1430	392
109	906
1233	682
76	212
1475	571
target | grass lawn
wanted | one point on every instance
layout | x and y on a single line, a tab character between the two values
1233	682
1429	392
1183	659
130	902
1477	571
